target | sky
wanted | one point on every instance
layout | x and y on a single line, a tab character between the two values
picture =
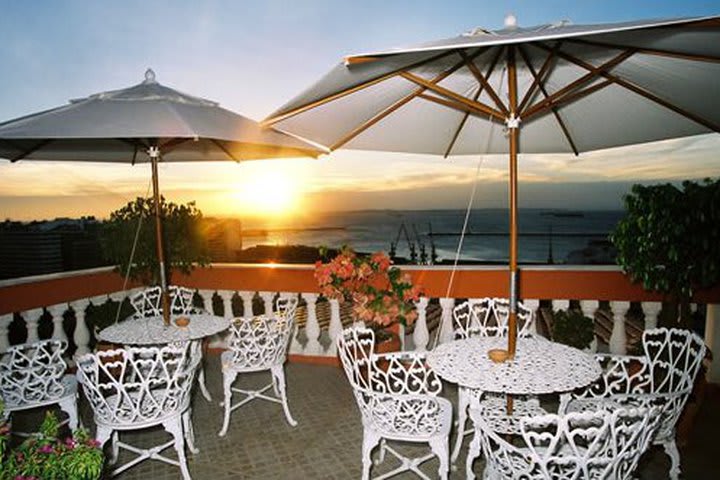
253	56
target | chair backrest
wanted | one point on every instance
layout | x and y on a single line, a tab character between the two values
396	393
148	302
605	444
137	385
488	317
32	373
262	341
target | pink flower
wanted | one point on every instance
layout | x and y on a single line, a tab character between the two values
46	449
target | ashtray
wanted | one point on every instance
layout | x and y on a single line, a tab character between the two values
498	355
182	322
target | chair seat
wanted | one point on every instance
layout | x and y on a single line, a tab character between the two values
69	389
131	420
228	364
411	420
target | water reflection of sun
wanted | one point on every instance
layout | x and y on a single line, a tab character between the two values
264	192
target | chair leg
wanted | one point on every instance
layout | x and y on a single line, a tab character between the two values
441	448
672	451
473	453
69	406
174	427
370	441
463	402
114	448
279	382
381	457
189	431
228	379
203	386
102	435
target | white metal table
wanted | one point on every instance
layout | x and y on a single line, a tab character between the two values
152	331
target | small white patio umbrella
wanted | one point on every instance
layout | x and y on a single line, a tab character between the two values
551	89
147	122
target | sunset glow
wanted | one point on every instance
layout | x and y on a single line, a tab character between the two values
265	192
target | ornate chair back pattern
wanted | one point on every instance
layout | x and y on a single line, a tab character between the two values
148	303
137	385
396	393
600	445
262	341
32	373
488	317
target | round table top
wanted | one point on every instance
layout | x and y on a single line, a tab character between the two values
540	366
151	330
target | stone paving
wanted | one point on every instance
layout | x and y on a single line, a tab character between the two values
327	440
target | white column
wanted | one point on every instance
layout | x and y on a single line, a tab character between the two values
421	336
588	308
81	335
712	340
335	329
207	298
618	340
651	311
57	318
560	304
247	301
118	296
312	327
32	317
532	304
268	301
5	321
227	296
447	329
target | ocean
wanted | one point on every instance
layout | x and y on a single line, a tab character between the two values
541	230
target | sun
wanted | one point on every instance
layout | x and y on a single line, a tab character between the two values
271	193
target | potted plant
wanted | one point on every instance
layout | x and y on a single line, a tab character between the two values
571	327
44	456
381	294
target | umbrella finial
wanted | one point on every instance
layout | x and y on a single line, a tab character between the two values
510	21
149	76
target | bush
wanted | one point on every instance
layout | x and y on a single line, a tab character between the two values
573	328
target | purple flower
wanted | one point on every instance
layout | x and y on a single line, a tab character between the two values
70	443
46	449
93	443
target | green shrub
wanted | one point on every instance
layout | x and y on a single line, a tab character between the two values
573	328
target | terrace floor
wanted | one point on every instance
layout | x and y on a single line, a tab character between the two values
326	443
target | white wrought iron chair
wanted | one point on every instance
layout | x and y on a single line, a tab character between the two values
140	387
257	344
488	317
397	395
666	373
602	445
148	303
33	375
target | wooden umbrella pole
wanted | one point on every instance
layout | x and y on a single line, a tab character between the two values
513	124
154	154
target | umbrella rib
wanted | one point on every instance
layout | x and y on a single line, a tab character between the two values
646	94
456	97
395	106
553	108
570	97
541	76
651	51
484	83
491	68
453	104
225	150
342	93
593	73
35	148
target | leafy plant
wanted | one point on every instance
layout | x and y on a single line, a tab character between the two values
573	328
44	456
379	293
184	245
669	239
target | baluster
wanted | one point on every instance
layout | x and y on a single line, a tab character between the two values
5	321
268	301
81	335
532	304
421	336
227	296
312	327
247	301
618	340
588	308
651	311
207	299
335	329
32	317
57	319
447	329
560	304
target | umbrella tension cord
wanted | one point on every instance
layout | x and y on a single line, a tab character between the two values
132	254
468	210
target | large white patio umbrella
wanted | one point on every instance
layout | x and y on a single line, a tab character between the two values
147	122
546	89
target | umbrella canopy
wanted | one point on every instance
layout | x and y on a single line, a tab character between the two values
146	122
551	89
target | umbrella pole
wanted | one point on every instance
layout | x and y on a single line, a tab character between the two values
154	154
513	124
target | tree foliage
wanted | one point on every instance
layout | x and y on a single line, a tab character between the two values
184	244
669	238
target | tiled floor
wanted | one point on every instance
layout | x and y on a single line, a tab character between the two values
326	443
